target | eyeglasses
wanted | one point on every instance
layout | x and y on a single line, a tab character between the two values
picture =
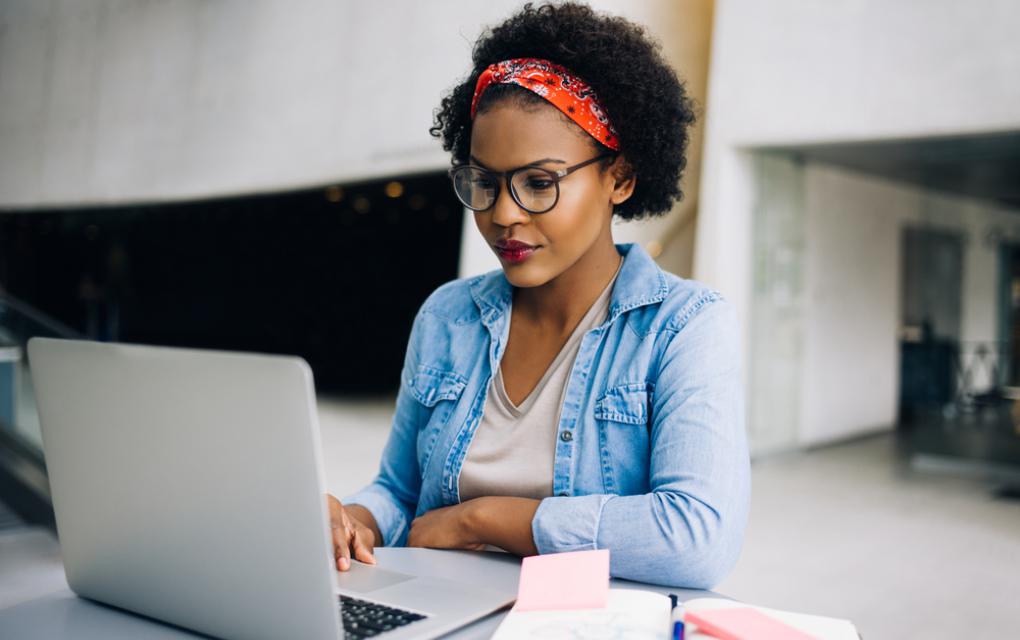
535	189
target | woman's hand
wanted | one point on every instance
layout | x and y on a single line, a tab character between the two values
350	535
445	528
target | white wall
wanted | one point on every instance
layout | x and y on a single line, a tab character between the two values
852	268
852	272
113	102
776	365
109	102
793	71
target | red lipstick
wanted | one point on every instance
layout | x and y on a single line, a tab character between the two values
514	251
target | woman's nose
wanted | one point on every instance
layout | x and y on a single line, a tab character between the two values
506	211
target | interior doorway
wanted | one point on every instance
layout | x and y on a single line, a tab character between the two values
931	300
1009	312
933	281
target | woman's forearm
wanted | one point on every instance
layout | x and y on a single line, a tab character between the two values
505	522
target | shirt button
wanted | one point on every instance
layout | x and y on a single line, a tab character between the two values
566	436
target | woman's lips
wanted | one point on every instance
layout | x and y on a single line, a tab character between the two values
515	253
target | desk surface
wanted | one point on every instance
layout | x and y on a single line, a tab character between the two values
63	615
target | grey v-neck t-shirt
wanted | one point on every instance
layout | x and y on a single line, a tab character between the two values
512	451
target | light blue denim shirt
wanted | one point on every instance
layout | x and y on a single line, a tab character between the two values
651	460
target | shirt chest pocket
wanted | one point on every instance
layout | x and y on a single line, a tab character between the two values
438	391
626	403
429	385
622	415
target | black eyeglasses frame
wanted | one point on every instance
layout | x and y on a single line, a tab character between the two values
507	178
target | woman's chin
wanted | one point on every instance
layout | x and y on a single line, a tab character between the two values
524	277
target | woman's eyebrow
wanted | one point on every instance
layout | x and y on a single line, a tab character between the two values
530	164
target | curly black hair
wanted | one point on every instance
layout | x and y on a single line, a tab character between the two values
641	94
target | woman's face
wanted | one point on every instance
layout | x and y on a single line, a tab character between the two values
506	137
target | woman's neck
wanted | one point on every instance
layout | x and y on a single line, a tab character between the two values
558	305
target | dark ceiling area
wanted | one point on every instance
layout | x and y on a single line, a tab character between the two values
983	165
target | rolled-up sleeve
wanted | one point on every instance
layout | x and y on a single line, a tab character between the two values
688	530
392	496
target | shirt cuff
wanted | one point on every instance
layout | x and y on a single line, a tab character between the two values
568	523
390	518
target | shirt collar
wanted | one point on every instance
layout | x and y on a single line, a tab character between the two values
641	281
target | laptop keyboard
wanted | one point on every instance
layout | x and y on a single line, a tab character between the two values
363	619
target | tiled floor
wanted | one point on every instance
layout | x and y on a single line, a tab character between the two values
29	561
850	531
846	531
353	436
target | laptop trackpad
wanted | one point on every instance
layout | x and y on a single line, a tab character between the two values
365	577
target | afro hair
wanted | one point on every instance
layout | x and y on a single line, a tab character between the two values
641	94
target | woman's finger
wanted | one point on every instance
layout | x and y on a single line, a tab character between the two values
343	530
336	525
339	539
362	549
335	509
343	548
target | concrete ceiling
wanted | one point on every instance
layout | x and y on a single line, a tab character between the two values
982	165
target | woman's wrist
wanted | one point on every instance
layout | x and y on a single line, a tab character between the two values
504	522
474	518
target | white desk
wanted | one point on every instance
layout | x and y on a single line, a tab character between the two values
65	616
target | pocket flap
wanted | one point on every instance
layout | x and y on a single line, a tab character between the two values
627	403
430	385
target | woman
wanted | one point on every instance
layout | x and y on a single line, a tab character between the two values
579	397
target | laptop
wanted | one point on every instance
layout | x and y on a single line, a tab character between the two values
188	486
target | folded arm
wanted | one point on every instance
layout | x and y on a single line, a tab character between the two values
688	530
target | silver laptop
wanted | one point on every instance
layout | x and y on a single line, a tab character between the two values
188	486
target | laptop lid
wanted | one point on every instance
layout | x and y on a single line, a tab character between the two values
188	485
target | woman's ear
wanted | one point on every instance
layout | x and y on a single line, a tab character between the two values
624	180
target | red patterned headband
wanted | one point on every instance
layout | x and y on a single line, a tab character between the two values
564	90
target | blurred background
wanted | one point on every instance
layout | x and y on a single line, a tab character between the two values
259	176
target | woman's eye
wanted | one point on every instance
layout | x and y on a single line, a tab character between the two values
539	184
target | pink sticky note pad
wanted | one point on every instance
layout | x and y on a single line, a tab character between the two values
572	580
743	624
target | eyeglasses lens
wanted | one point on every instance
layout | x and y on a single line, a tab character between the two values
475	188
535	189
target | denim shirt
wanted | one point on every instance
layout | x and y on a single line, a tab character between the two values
651	457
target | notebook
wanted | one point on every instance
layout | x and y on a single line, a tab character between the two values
567	595
730	620
629	613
